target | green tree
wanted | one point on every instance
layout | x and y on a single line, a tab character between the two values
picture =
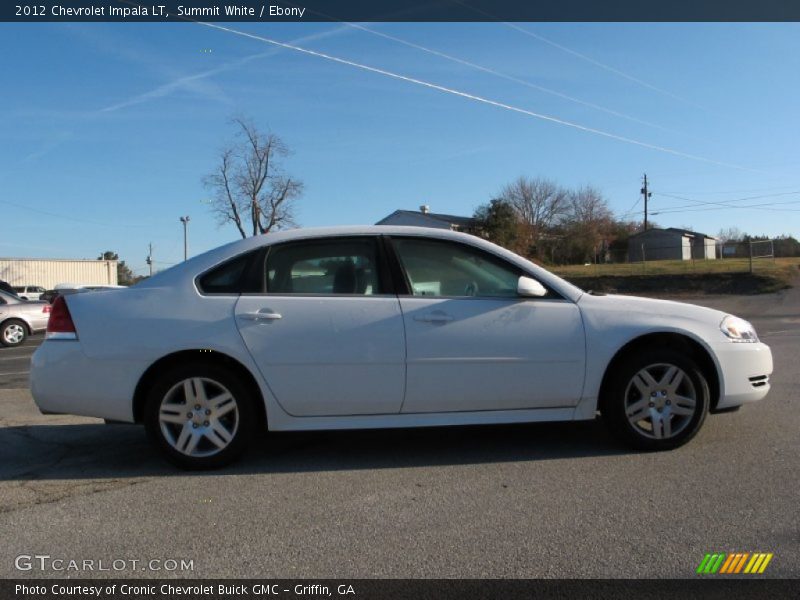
498	222
786	245
124	274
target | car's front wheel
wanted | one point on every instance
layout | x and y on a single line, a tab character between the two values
200	416
13	332
656	400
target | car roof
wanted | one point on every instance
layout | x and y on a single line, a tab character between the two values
193	267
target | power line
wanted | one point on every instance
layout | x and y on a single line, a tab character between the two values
750	191
769	206
69	218
474	97
632	208
723	203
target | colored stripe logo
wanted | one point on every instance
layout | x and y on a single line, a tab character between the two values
734	563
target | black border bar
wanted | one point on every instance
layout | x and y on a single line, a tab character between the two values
706	587
403	10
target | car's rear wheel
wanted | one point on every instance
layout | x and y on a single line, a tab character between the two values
656	400
200	416
13	333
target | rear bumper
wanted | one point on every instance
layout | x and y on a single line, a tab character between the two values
64	381
745	371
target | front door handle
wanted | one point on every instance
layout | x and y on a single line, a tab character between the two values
267	315
434	317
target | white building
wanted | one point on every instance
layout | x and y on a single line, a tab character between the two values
48	272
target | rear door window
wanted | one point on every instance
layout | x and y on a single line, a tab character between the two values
328	267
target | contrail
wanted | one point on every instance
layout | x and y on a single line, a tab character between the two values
472	97
168	88
601	65
507	77
577	54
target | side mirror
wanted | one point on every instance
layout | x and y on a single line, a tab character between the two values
530	288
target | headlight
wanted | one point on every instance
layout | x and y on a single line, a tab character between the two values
738	330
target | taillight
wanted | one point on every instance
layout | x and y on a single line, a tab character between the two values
60	325
47	308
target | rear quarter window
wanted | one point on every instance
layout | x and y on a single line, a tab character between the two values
231	277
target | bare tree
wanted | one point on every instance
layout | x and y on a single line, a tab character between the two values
538	203
731	234
589	223
250	188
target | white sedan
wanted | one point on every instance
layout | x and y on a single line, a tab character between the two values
369	327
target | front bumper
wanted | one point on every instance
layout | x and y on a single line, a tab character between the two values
744	373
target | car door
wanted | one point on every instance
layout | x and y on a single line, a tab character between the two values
327	333
474	344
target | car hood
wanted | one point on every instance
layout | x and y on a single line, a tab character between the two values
651	307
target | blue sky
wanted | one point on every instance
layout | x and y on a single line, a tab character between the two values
107	129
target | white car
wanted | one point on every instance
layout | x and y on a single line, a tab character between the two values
20	318
29	292
370	327
81	286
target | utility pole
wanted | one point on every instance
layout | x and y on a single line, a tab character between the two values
185	221
646	195
150	257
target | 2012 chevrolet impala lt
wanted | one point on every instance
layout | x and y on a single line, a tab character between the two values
369	327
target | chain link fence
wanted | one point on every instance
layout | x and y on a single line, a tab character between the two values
653	259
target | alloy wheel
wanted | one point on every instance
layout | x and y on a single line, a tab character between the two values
198	417
14	333
660	401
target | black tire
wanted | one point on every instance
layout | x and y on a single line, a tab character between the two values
13	328
628	395
214	380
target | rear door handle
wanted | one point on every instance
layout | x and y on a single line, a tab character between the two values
261	316
434	317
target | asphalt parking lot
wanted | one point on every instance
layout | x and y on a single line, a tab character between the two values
15	363
546	500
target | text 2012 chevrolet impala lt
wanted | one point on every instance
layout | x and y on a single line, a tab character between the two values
367	327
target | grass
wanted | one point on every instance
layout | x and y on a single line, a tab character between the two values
679	267
726	276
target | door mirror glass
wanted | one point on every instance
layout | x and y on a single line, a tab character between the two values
530	288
